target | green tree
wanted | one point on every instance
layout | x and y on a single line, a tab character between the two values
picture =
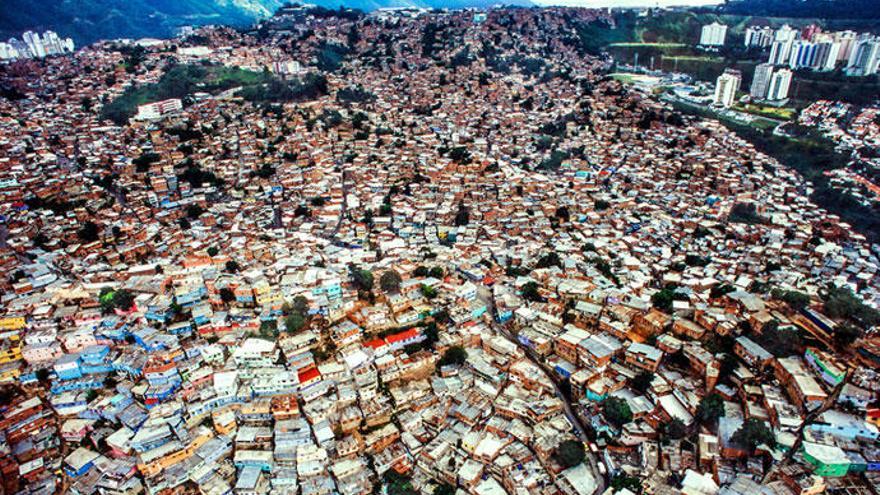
569	453
845	334
300	305
213	251
711	408
294	322
675	429
444	489
642	382
842	303
617	411
428	291
562	213
437	272
796	300
455	355
548	260
781	342
232	266
752	433
421	271
462	216
663	298
530	292
42	375
194	211
123	299
630	483
363	279
226	295
390	281
729	364
398	484
90	232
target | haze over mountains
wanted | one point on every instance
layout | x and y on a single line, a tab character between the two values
87	21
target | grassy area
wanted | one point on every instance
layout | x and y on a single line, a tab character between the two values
695	58
622	77
760	123
767	111
648	45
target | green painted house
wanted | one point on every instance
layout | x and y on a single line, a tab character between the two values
828	460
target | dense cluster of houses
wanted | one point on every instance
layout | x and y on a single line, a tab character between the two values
489	257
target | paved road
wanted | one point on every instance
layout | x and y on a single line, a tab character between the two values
485	294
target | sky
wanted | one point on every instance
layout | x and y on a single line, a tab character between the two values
627	3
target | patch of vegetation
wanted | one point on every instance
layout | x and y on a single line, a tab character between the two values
569	453
354	94
617	411
841	303
455	355
309	87
181	81
111	299
752	433
745	213
330	56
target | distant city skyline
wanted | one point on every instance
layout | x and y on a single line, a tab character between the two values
626	3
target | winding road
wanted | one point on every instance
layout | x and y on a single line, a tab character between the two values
485	294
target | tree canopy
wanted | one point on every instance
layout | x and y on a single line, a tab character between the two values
455	355
617	411
569	453
752	433
390	281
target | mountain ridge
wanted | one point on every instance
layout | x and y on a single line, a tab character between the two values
88	21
